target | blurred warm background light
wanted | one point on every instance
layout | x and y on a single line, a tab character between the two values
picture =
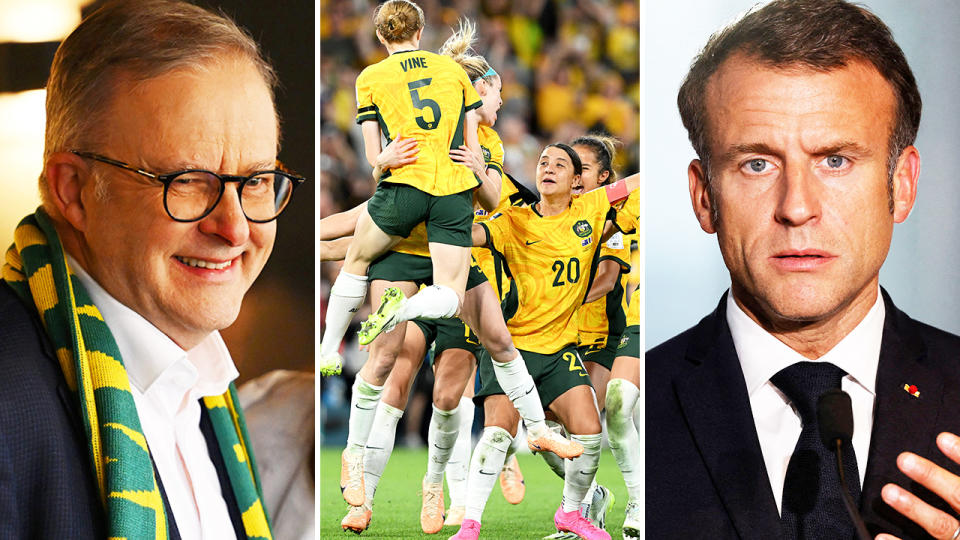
29	32
21	157
33	21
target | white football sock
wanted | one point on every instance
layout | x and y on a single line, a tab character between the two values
554	461
622	399
346	296
485	466
433	302
363	408
459	462
441	437
588	498
517	441
379	447
579	472
517	384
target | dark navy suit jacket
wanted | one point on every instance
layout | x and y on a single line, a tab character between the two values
47	484
705	475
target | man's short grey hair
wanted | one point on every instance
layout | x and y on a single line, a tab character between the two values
132	41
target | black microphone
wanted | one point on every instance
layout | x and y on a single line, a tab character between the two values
835	419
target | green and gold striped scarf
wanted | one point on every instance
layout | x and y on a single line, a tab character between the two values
36	268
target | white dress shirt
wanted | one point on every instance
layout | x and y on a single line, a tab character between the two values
778	423
166	383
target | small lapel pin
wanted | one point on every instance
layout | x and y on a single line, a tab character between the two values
912	390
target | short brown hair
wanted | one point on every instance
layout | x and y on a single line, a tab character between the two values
819	34
137	40
398	20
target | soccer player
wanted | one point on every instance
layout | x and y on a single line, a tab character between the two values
602	318
548	249
623	415
623	393
399	271
455	346
428	97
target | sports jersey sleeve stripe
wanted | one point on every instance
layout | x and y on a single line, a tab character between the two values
366	114
623	264
495	166
617	225
486	231
473	106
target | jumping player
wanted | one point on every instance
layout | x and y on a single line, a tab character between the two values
549	249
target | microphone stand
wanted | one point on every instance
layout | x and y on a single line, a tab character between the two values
861	529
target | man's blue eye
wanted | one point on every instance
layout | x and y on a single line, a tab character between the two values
758	165
836	161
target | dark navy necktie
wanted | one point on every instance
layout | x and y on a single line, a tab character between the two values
812	505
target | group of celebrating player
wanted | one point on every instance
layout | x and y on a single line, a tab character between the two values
447	239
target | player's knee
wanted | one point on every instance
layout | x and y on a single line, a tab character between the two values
501	348
585	425
446	398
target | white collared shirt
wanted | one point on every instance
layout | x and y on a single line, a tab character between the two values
166	383
778	424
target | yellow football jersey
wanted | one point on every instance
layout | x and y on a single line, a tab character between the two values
426	96
606	316
550	260
633	309
492	148
628	216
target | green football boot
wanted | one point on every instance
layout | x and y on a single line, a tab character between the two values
385	318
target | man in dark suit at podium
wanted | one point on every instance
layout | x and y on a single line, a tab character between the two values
803	115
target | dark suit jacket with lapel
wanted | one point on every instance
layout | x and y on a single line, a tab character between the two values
47	485
705	476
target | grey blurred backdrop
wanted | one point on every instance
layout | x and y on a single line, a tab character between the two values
684	273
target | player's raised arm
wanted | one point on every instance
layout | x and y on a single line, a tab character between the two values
621	189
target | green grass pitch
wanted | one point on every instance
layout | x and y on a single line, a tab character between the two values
396	510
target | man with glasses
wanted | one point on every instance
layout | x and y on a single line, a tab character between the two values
160	189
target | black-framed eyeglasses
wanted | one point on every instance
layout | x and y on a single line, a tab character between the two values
190	195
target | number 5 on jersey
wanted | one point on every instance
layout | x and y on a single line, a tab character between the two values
424	103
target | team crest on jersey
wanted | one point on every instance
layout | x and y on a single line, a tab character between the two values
582	228
486	153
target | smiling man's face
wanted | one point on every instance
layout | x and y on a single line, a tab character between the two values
800	165
187	279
